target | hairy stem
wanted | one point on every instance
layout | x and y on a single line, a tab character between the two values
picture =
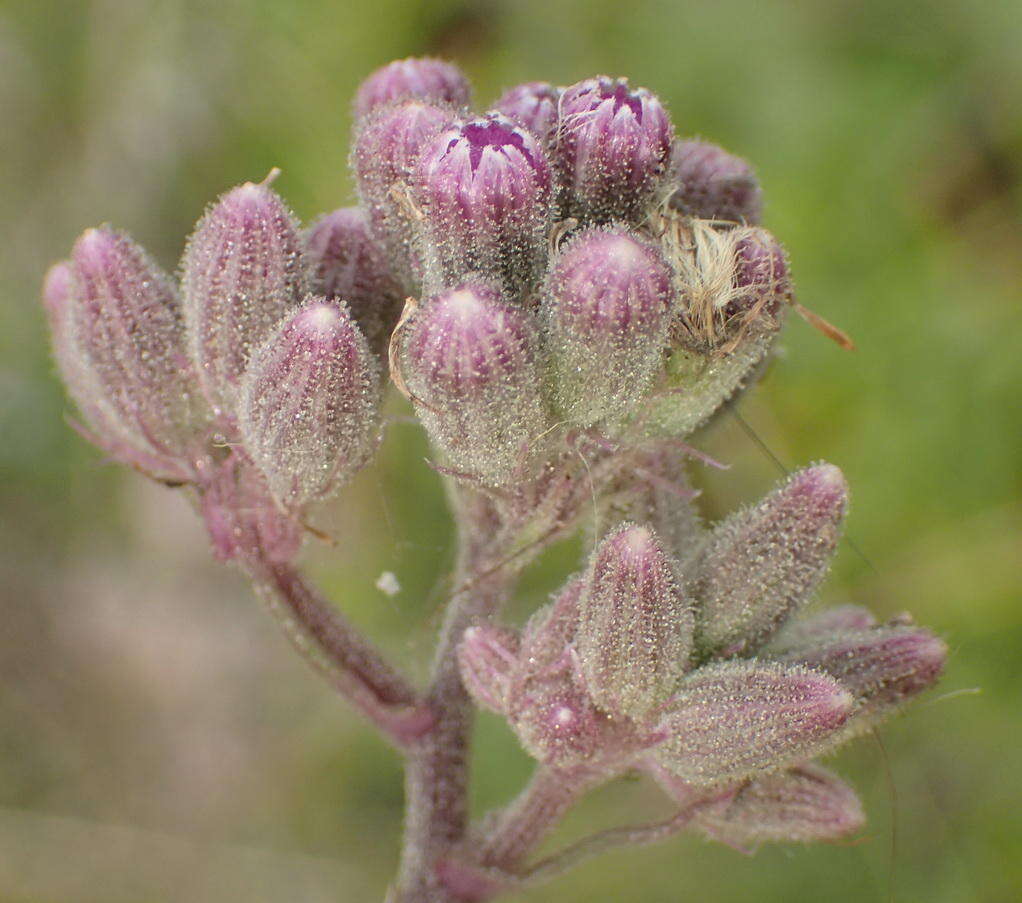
436	774
347	659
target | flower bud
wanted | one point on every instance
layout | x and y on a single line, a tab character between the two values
487	656
713	184
347	264
802	805
385	146
881	666
759	565
555	719
635	631
469	362
415	78
533	106
241	273
484	190
551	629
733	719
119	339
612	148
309	404
606	309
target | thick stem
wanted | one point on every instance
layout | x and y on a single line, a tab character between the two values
346	658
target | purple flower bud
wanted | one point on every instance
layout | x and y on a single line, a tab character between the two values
713	184
415	78
242	272
759	565
308	405
385	147
635	631
533	106
487	656
882	666
612	148
802	805
555	719
469	362
484	189
606	309
119	340
347	264
731	720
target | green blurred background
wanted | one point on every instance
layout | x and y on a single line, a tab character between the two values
160	742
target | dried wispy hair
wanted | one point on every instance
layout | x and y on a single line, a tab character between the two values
715	312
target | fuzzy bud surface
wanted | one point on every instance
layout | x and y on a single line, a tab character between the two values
713	184
414	78
613	145
241	273
309	404
484	189
533	106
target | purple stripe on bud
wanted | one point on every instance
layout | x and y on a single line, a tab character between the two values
414	78
760	565
487	656
731	720
821	626
635	631
612	149
241	273
483	187
468	359
347	264
606	310
713	184
309	401
533	106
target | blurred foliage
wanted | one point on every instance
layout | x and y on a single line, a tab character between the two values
158	743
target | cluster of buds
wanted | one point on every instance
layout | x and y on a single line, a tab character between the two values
563	290
696	672
253	381
642	294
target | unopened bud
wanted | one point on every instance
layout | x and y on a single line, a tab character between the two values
487	656
469	362
730	720
385	146
241	273
802	805
533	106
309	404
713	184
551	629
346	263
760	565
606	310
483	187
415	78
612	148
635	631
119	339
555	719
881	666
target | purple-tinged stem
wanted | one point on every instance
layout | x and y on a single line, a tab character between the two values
436	773
348	660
